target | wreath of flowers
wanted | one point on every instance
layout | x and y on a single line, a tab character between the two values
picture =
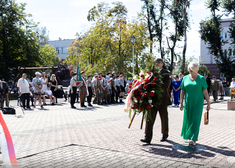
145	93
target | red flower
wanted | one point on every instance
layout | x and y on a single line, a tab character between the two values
148	106
145	94
135	81
145	86
152	83
130	83
132	107
148	72
141	109
147	80
142	75
135	105
151	94
140	93
140	88
128	91
130	86
136	92
138	98
155	78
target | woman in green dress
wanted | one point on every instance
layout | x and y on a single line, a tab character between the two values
194	87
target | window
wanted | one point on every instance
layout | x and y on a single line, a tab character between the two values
58	50
64	50
225	35
222	35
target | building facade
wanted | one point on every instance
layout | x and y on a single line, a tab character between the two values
208	59
61	47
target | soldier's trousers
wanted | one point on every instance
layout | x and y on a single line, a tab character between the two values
112	94
117	93
104	95
82	94
98	96
164	122
73	95
90	95
215	95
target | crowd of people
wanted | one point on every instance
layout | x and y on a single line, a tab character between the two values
105	89
41	88
216	87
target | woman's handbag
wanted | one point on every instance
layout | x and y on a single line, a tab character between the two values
206	118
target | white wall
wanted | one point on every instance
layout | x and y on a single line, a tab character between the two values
61	46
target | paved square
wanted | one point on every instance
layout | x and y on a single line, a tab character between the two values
59	136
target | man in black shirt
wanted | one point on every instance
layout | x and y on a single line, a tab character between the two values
208	81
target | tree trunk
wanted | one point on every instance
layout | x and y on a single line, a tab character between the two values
185	39
149	28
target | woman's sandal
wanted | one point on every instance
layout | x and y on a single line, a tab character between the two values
193	144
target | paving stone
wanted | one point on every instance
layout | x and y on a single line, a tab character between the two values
101	138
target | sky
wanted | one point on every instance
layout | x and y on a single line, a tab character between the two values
63	18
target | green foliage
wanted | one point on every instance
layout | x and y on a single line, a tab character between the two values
229	7
18	43
211	33
48	55
107	45
202	70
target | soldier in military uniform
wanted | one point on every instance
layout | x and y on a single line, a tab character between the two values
89	86
117	89
122	87
83	90
162	108
104	85
109	91
98	91
73	89
214	87
113	88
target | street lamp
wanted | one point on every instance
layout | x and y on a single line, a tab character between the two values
133	42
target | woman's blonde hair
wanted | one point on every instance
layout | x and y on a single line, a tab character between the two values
53	75
193	66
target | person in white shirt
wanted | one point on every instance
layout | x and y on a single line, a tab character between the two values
44	82
50	95
232	87
37	85
23	90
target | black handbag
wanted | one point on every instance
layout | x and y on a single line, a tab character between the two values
8	110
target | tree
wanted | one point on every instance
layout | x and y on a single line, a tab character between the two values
229	6
178	30
48	55
211	33
185	5
18	43
106	46
42	35
155	23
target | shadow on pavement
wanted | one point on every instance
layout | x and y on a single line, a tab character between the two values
169	151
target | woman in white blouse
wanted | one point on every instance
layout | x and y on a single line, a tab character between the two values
44	82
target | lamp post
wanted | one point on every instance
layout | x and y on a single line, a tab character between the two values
133	42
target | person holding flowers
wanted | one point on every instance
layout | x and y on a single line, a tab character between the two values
161	107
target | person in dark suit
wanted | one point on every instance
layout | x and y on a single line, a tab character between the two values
3	94
208	81
73	89
83	90
89	85
162	108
